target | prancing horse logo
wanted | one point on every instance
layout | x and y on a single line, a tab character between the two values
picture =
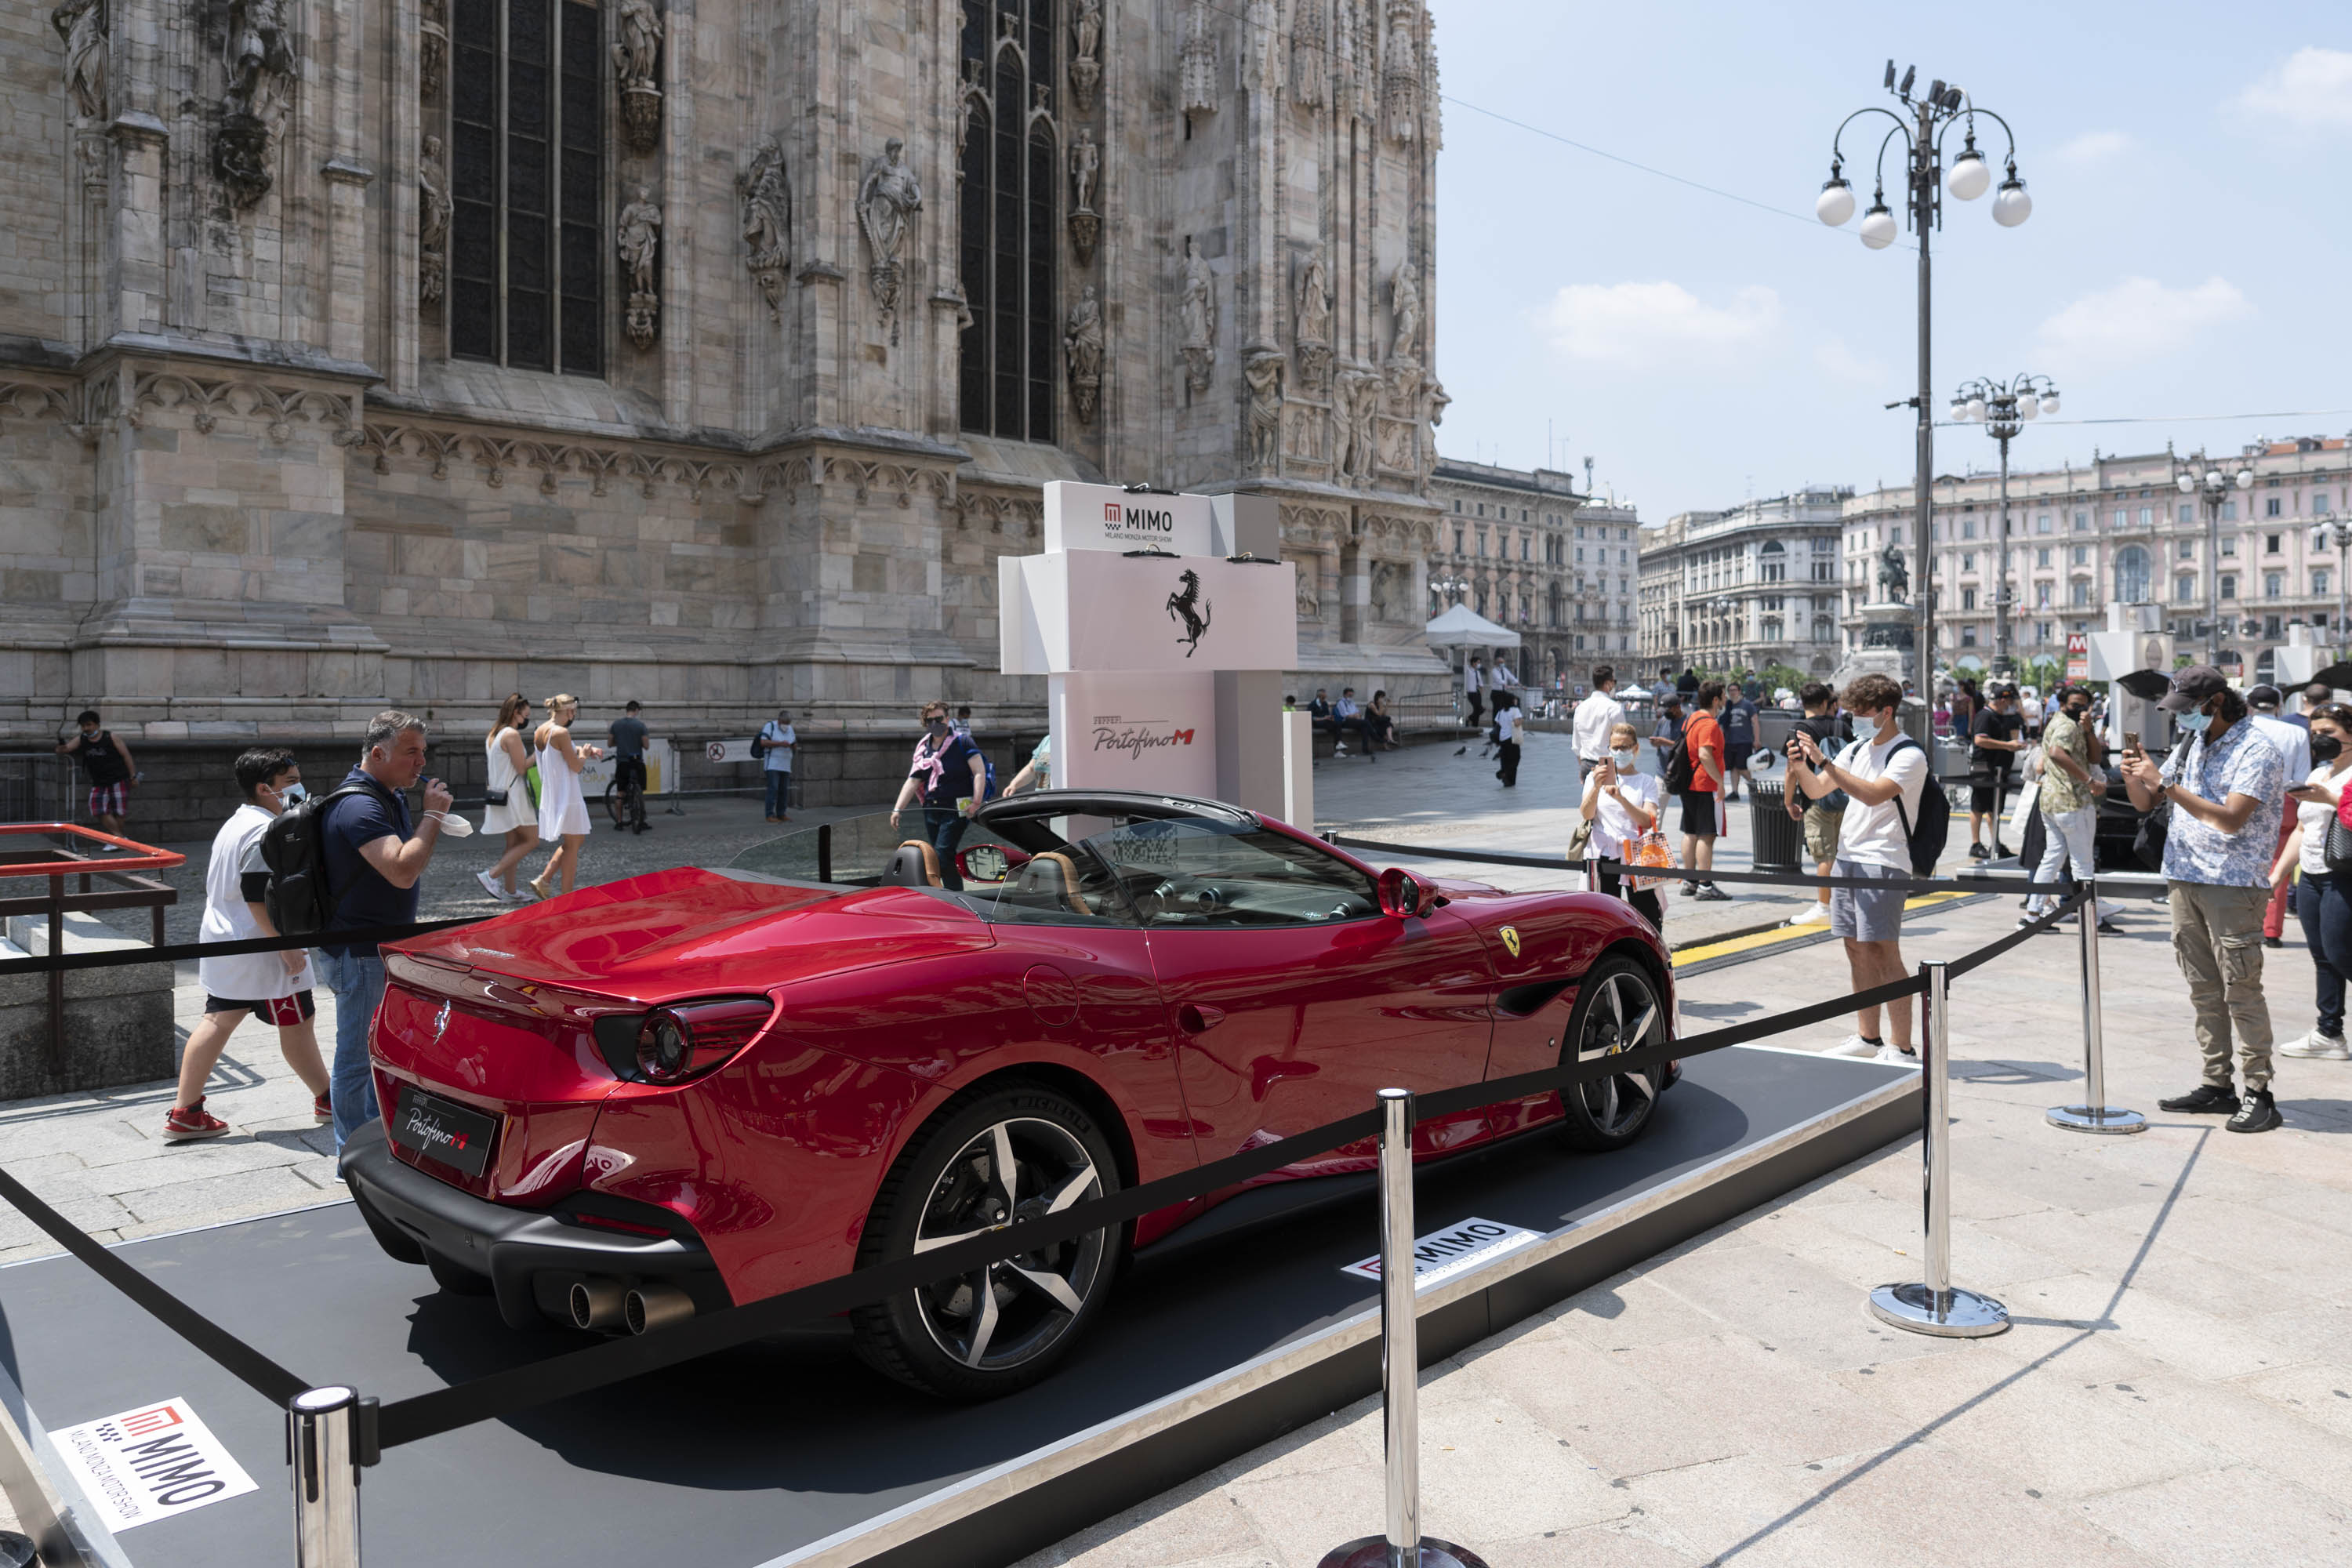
1186	608
440	1022
1510	935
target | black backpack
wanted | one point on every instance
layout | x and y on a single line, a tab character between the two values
1680	769
1927	835
294	848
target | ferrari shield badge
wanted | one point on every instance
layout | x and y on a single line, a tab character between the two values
1510	935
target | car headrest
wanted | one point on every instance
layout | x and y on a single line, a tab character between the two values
913	864
1052	875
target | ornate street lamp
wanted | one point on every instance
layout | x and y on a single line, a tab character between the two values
1927	120
2002	408
2334	533
2214	487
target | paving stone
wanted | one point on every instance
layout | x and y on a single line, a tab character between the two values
269	1189
1200	1523
1779	1408
1607	1415
2238	1515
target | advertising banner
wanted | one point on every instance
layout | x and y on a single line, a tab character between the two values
1118	730
1105	517
1092	610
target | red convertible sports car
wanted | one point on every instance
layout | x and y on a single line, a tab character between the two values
697	1088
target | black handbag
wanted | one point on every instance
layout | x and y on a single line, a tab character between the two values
2149	842
2336	847
494	798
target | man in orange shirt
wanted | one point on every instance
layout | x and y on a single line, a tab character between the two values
1703	801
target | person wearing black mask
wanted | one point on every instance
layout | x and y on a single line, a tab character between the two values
2323	899
2222	782
951	778
2072	783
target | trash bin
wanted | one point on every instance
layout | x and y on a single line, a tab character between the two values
1778	841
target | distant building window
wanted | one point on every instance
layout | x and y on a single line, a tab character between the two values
2131	575
2319	581
2081	593
1968	598
2228	511
2082	522
2082	555
2187	511
2271	543
2041	524
2122	517
2271	506
2273	584
2229	584
2184	590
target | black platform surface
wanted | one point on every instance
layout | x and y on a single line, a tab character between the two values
788	1449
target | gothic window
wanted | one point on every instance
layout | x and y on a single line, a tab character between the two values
527	179
1010	174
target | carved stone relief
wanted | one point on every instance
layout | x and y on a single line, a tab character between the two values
767	223
1086	224
433	212
1310	55
1196	66
636	62
432	35
1306	435
1082	342
1085	64
1400	70
82	25
1311	323
1263	371
260	59
888	199
640	247
1199	311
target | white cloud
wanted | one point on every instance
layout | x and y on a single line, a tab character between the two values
1841	363
1645	323
2311	90
2092	148
2139	319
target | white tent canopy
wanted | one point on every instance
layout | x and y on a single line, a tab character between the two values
1463	626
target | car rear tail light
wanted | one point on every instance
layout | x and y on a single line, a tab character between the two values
683	1040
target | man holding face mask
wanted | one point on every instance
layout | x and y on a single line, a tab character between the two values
2224	784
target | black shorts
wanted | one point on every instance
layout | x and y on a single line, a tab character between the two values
278	1010
1700	813
1986	785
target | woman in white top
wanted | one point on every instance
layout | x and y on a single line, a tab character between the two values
2323	900
563	806
509	761
1621	804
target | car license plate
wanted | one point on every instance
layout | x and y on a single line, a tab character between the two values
443	1132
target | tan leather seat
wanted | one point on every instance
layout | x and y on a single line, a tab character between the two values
1050	874
914	864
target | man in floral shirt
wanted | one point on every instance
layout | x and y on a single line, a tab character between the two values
2224	782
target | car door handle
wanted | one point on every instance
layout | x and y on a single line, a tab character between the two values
1197	1020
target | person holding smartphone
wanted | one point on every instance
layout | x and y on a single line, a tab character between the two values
1621	802
2323	898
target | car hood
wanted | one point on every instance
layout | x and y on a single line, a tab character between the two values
691	931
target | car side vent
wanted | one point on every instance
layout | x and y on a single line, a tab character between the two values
1521	1000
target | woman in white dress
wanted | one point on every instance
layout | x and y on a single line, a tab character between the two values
1621	804
509	761
562	805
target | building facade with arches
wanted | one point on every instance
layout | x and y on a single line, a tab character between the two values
1534	554
1745	588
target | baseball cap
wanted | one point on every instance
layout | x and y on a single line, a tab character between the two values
2263	696
2192	688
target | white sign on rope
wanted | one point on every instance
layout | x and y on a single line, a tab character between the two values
149	1464
1458	1248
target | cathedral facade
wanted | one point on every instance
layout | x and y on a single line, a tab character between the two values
700	352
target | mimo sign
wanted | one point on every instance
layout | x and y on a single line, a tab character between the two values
1105	517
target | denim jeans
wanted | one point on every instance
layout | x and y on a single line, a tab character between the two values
779	787
358	985
2066	836
2324	904
944	826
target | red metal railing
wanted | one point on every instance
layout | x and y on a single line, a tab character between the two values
60	862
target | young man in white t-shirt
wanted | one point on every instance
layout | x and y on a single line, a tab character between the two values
1882	775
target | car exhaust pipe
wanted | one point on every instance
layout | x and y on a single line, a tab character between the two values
600	1305
651	1307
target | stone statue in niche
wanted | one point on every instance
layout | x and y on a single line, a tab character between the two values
1263	371
640	244
1196	66
260	69
433	40
636	61
1311	323
1086	224
1404	313
1085	66
767	223
1082	342
1401	71
1310	59
82	25
433	212
888	199
1199	311
1360	404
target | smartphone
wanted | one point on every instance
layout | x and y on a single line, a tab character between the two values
2131	740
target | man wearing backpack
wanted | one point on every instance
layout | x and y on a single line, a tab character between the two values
1885	777
373	857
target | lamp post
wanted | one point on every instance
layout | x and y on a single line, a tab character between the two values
1927	120
2002	408
2214	487
2334	533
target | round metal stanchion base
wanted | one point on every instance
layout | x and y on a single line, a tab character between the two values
1967	1315
16	1551
1372	1551
2095	1118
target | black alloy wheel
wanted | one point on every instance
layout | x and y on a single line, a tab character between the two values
1011	1154
1618	1009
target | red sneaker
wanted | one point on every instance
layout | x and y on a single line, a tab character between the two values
191	1122
321	1111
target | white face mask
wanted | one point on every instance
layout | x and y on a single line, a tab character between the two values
1625	761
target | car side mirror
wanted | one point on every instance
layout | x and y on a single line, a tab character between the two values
989	862
1404	895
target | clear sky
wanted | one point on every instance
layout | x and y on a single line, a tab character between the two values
2187	255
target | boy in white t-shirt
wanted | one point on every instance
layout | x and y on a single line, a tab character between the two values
275	984
1883	774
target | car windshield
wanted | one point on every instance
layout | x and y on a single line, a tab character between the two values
1099	867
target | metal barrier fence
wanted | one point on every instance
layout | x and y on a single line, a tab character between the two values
39	787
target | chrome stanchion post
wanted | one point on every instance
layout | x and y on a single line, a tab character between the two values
1591	867
2094	1114
1403	1545
323	1454
1935	1305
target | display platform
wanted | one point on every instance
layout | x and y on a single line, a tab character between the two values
790	1452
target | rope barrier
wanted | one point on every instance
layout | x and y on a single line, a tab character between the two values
1660	873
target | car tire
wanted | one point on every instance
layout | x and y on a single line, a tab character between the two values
947	1338
1611	1002
456	1278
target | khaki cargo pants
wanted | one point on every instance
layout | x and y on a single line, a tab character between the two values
2217	935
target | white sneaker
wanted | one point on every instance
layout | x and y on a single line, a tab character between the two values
491	885
2317	1046
1852	1045
1814	915
1892	1053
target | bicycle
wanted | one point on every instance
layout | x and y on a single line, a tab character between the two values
625	797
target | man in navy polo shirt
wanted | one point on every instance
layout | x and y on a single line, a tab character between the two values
374	859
